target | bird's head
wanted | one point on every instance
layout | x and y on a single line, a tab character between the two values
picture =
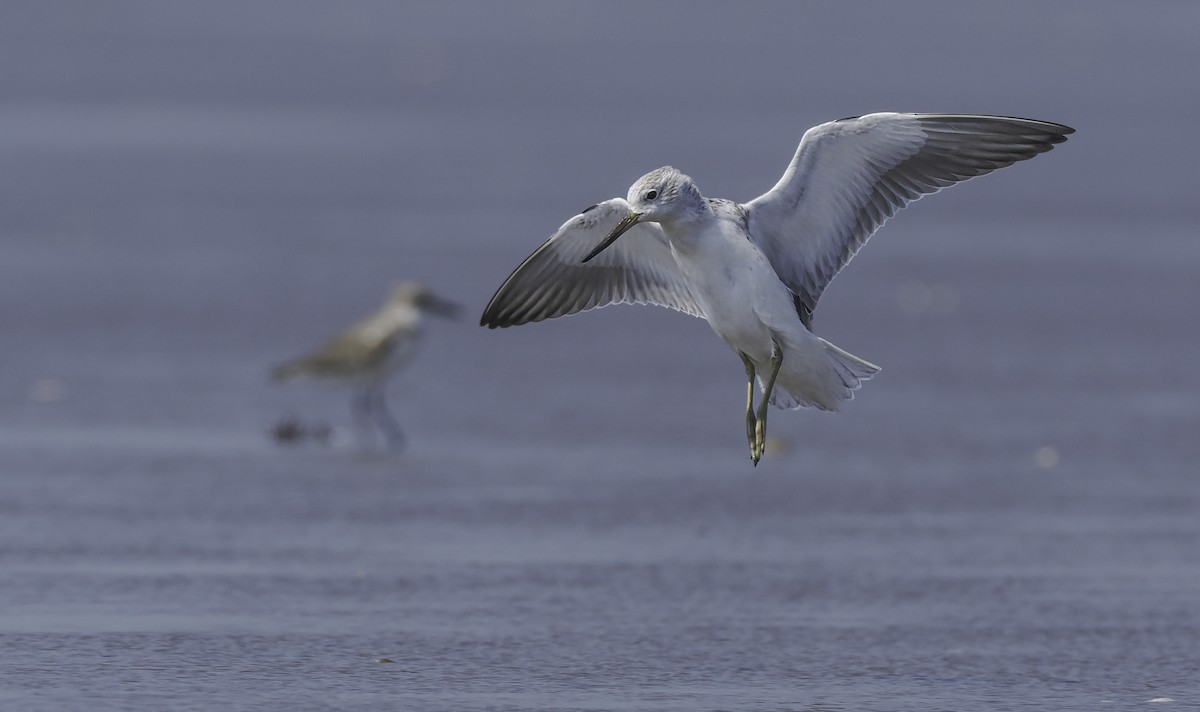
662	195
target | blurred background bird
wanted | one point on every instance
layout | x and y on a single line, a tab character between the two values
369	352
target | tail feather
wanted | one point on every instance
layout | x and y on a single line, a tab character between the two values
285	371
820	379
852	369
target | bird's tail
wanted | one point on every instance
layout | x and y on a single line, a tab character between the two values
850	368
819	375
284	371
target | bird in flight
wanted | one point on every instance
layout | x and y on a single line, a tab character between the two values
369	352
756	270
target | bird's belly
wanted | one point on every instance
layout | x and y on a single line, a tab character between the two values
730	312
736	287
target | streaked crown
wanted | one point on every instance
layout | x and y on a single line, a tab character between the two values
663	192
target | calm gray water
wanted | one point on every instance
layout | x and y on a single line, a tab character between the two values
1008	517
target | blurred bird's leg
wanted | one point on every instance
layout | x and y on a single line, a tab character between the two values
362	418
751	421
760	432
387	421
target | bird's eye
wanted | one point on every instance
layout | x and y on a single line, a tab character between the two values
651	195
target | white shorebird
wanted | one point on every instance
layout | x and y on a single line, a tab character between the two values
755	271
368	352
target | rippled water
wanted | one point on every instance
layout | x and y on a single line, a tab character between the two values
1006	517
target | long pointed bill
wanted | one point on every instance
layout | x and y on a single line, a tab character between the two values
440	307
626	222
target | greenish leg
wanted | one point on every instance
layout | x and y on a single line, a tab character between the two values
760	432
751	421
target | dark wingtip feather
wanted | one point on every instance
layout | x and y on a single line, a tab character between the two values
1049	128
492	320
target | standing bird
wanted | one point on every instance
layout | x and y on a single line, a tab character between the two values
755	271
367	353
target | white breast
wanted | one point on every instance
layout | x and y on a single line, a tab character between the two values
734	283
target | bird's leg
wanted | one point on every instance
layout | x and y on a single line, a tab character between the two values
751	421
760	433
362	417
387	421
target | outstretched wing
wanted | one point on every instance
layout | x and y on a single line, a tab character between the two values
553	281
851	175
